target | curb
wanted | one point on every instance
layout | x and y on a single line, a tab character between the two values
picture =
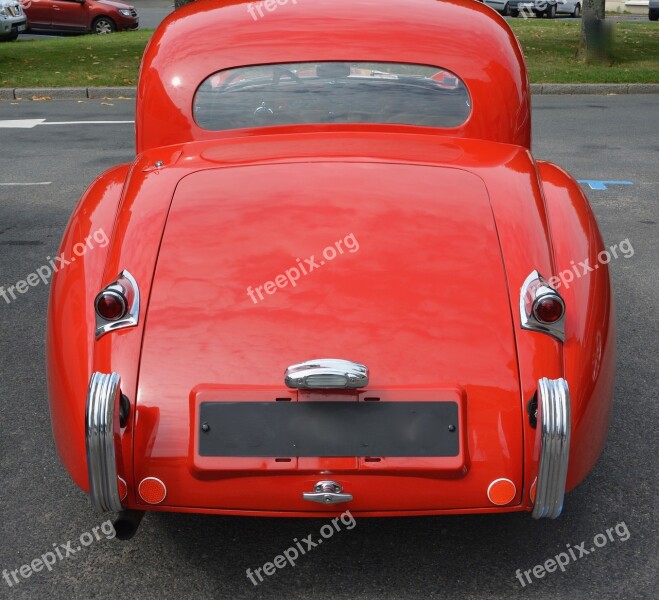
537	89
66	93
551	89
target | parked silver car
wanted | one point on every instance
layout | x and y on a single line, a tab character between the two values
539	8
12	20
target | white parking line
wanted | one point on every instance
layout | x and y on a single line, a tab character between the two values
22	124
31	123
30	183
86	123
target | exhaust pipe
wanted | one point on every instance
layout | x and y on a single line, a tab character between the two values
126	523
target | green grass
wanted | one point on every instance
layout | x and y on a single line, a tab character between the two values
75	61
550	47
113	60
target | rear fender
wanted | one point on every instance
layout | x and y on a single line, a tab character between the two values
584	283
70	326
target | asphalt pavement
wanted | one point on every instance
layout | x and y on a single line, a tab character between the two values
602	138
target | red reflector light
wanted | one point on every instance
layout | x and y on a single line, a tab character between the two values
501	491
111	305
152	490
548	309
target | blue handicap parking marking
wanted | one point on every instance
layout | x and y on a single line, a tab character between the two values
599	184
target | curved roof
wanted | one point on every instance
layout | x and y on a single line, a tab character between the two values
462	36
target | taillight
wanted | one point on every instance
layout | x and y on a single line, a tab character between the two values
111	305
117	305
548	308
541	307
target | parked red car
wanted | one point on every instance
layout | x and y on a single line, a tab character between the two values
332	277
96	16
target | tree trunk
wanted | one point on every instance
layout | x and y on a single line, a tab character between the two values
179	3
595	41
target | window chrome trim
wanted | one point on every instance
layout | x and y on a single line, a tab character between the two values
316	374
101	426
555	422
126	286
535	287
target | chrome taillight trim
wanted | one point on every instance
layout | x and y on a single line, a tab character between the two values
101	424
317	374
534	288
554	420
126	286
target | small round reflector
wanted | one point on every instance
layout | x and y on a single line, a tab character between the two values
548	309
534	485
123	488
111	305
501	491
152	490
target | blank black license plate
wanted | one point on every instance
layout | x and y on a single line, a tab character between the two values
325	429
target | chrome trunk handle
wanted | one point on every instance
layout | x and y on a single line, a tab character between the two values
326	373
327	492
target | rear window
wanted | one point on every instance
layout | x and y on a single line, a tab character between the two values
331	92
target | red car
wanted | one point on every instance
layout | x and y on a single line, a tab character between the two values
335	277
95	16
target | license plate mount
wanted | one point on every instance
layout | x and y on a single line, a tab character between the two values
327	428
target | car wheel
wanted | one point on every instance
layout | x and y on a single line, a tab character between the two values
506	10
10	37
514	12
577	11
653	16
103	25
551	11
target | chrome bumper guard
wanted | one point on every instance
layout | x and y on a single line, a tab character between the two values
101	425
554	422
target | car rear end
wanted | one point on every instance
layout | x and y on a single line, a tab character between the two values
269	274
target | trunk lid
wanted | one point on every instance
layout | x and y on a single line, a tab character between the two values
395	266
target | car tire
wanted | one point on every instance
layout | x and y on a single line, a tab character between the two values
103	25
576	13
506	10
551	11
514	12
10	37
653	16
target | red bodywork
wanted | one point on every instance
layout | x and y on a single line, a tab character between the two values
449	225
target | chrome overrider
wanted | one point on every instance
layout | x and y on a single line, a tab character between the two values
554	422
101	426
